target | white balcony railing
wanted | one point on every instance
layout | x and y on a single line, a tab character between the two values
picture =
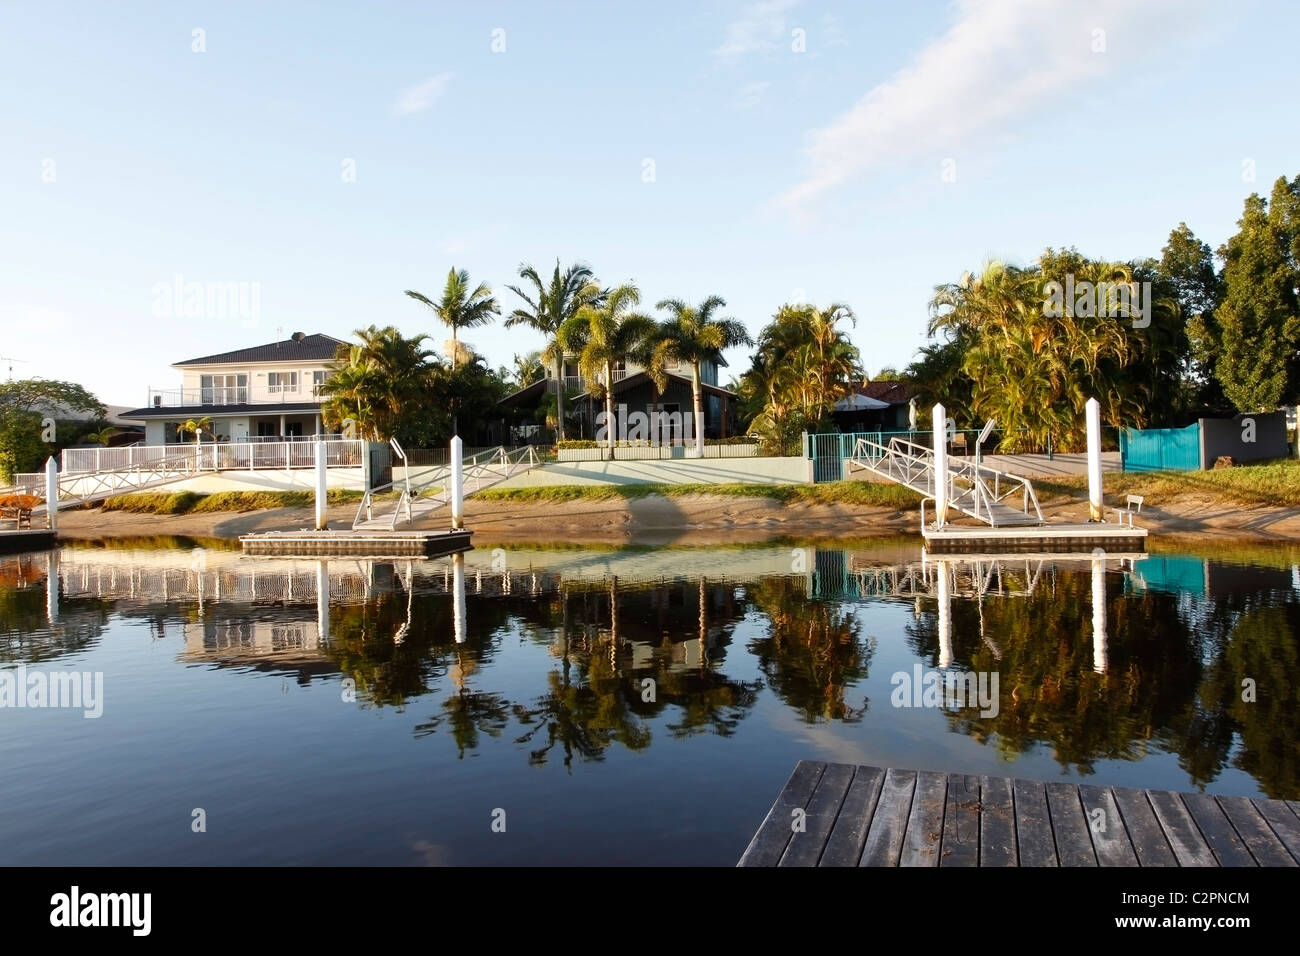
216	456
232	395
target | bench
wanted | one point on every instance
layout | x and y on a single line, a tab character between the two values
1132	505
18	509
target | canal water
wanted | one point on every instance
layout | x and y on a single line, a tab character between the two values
603	706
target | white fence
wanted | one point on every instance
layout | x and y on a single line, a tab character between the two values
215	456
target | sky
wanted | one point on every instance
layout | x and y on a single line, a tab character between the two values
328	156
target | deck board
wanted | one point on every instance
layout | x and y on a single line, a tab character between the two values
876	816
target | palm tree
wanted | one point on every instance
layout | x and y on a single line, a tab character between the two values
547	308
378	383
460	306
694	335
604	333
195	427
528	369
103	436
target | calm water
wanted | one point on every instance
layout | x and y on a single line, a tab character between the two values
620	706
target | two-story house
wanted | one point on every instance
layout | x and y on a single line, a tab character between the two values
267	392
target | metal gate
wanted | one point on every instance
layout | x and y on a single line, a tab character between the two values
828	450
1160	449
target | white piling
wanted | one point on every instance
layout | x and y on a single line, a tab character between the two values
457	485
1100	657
945	613
322	603
1095	509
52	493
458	597
939	419
322	486
52	585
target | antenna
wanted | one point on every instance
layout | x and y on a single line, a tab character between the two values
10	359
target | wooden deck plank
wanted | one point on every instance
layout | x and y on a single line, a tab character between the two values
1144	830
888	829
773	836
1284	823
1069	826
806	843
997	823
1219	833
1190	848
1255	832
961	822
873	816
925	824
1034	840
849	835
1110	839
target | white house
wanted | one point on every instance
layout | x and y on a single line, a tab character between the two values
264	393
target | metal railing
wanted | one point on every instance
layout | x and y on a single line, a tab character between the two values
219	395
973	488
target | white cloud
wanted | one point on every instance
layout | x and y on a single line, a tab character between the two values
999	60
750	94
759	28
418	98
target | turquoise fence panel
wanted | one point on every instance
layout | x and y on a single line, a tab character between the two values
1161	449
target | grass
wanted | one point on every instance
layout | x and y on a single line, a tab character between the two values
860	493
1274	483
191	502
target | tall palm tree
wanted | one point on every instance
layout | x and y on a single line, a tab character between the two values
460	306
604	333
549	306
694	334
528	369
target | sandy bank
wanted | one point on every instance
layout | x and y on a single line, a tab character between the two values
702	519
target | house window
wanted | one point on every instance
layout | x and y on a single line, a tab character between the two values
317	380
277	382
223	389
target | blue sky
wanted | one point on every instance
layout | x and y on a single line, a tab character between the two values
127	158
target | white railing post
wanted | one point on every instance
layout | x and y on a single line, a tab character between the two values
51	493
1093	413
322	485
457	486
940	422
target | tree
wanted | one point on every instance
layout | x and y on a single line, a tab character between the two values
1188	264
195	427
460	306
602	334
24	405
381	384
548	307
1259	321
805	363
694	334
527	369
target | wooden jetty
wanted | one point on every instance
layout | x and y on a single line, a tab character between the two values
842	815
13	541
370	544
1061	538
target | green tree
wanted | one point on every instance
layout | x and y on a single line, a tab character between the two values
460	307
1188	263
24	405
547	307
695	334
528	368
1259	320
603	334
381	384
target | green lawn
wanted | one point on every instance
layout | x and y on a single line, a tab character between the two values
1275	483
190	502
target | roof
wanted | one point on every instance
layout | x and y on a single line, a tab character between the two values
221	411
891	392
641	378
299	348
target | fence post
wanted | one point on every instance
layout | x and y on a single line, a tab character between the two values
940	417
322	485
1093	416
456	489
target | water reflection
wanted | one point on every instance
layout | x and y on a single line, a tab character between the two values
566	654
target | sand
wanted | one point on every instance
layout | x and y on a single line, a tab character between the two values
699	519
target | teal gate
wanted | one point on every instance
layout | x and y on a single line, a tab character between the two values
829	449
1161	449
